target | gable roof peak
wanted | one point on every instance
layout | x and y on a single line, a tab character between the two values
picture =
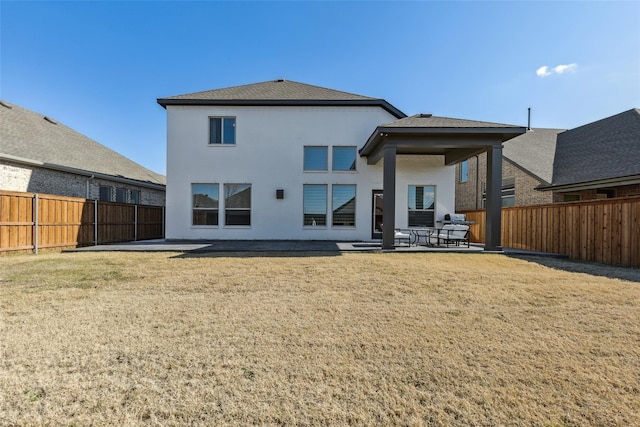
278	92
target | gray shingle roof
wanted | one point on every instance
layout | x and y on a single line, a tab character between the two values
429	121
604	149
28	135
273	90
534	151
278	92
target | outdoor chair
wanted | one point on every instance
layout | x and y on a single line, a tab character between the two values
448	234
453	234
400	235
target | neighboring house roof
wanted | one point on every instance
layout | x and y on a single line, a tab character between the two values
278	92
534	152
606	150
31	138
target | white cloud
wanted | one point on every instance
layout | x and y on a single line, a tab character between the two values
562	68
544	71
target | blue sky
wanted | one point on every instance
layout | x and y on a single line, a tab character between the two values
99	67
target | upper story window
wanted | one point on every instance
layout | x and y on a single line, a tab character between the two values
464	171
315	158
344	158
222	130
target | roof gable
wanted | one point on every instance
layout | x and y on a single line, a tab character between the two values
534	152
604	149
278	92
30	136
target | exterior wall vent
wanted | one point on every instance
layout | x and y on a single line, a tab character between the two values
279	194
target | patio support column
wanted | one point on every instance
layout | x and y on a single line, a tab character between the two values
389	197
494	200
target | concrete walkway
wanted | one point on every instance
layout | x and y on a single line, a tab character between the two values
263	246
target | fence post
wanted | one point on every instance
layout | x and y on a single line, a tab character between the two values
35	223
135	224
95	222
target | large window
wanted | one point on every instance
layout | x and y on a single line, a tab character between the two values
344	205
344	158
237	204
105	193
464	171
315	205
222	130
205	204
315	158
422	204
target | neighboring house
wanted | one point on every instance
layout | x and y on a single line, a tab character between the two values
598	160
40	155
527	164
286	160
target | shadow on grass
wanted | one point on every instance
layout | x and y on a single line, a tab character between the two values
594	269
200	253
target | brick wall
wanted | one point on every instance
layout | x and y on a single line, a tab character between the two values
18	177
594	194
525	184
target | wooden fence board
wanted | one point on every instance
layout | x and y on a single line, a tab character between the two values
605	231
65	222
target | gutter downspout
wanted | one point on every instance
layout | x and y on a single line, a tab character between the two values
89	179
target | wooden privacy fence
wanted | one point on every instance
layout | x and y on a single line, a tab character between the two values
605	231
30	222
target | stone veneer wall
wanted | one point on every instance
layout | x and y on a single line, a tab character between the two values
19	177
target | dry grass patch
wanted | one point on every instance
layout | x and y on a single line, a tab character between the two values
360	339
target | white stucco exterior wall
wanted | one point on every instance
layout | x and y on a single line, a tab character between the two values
268	154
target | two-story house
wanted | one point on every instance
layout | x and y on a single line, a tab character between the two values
286	160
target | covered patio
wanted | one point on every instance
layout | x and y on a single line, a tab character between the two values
456	140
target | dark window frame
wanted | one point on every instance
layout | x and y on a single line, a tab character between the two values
205	216
314	219
306	161
221	135
421	216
